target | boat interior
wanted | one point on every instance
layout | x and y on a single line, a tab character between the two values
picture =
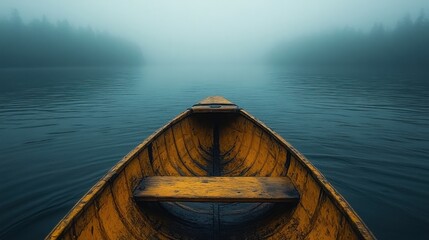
213	144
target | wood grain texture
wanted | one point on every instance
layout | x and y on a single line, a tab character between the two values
216	189
215	100
214	108
215	104
193	145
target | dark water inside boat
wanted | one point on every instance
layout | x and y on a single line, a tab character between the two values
366	130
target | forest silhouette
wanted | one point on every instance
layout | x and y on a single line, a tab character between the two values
405	45
41	43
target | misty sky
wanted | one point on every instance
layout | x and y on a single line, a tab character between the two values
225	31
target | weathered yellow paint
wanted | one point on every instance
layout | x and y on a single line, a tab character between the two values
215	100
228	144
216	189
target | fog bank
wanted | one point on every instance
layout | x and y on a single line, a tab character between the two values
405	45
192	31
41	43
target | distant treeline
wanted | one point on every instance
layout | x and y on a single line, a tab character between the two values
41	43
407	44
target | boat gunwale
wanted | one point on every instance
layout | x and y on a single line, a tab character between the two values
95	190
355	221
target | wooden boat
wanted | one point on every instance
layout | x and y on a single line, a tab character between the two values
213	172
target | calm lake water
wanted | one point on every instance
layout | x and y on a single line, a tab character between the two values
366	130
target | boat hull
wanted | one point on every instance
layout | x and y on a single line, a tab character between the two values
227	143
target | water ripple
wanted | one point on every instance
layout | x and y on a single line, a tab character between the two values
367	132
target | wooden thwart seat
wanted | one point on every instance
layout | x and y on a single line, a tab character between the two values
216	189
